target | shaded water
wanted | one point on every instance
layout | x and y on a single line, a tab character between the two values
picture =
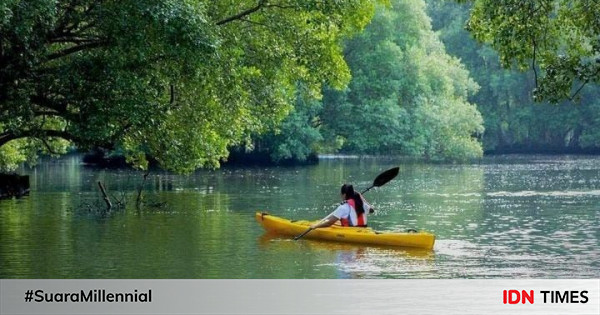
510	216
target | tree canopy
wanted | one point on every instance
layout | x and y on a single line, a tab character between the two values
407	96
178	81
513	120
559	40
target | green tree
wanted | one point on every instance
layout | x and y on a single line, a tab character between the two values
294	141
513	121
178	81
407	96
559	40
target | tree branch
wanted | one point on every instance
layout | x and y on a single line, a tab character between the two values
571	98
535	74
75	49
45	102
74	39
63	27
105	196
240	15
48	146
68	10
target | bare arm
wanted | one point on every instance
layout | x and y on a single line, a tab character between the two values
327	221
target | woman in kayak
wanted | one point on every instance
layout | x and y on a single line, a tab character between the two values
350	213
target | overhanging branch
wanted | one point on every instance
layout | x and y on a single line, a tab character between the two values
48	147
572	97
240	15
75	49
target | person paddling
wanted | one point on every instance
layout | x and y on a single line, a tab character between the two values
352	211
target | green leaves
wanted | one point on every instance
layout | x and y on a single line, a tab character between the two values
558	39
178	81
407	96
513	121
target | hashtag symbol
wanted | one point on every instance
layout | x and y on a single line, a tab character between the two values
28	295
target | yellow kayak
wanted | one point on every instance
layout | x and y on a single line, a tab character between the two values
277	225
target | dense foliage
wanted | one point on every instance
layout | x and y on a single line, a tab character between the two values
182	82
406	96
513	121
178	81
559	40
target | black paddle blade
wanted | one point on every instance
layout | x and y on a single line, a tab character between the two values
386	176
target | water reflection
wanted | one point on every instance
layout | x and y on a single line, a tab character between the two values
356	261
511	216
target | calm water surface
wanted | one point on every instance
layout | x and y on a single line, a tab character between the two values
510	216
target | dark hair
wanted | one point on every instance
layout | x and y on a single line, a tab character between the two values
351	194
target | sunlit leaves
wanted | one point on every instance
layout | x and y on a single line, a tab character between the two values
407	96
177	81
560	39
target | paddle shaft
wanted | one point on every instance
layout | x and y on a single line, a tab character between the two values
300	236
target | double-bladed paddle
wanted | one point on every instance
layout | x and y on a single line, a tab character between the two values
379	181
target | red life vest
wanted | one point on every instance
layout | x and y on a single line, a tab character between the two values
359	216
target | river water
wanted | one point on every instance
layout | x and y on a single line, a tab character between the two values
505	217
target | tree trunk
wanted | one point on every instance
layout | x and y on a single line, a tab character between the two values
106	198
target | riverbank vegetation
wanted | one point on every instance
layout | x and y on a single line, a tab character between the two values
184	83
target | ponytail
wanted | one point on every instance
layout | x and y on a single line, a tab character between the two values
351	194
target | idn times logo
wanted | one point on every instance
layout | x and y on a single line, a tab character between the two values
555	297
